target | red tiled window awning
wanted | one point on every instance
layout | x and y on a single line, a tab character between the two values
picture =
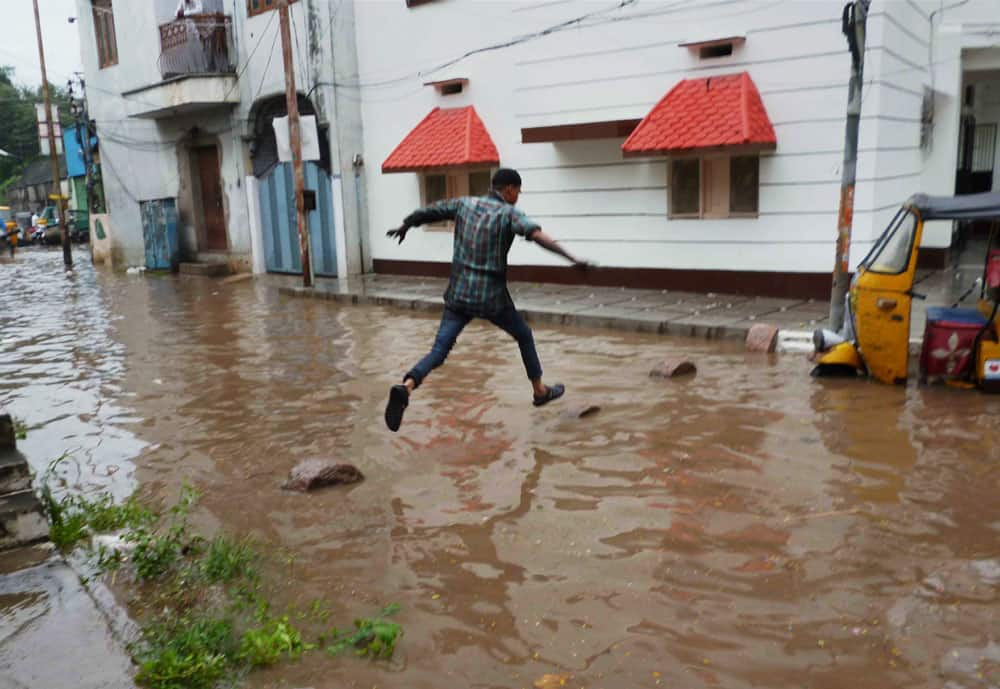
446	138
723	112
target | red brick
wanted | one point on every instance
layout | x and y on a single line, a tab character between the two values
762	338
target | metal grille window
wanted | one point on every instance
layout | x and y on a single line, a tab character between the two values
984	148
104	33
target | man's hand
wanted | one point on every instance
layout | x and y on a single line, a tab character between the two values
581	264
398	232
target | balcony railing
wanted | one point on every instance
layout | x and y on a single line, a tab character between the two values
196	44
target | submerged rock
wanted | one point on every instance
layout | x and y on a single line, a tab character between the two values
762	338
672	368
317	473
579	410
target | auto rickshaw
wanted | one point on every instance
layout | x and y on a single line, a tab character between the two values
961	345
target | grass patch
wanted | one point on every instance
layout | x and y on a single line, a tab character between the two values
225	560
374	637
20	429
185	652
202	604
266	645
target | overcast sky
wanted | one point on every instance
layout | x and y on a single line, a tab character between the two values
19	47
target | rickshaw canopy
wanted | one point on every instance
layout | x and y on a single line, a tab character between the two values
985	206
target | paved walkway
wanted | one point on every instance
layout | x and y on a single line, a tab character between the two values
714	316
717	316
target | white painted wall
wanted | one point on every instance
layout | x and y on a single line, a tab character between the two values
601	205
613	209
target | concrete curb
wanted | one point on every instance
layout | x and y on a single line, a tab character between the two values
680	327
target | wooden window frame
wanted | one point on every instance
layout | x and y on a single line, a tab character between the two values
456	185
703	188
105	36
263	6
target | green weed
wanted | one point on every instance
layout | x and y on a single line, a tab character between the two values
374	637
73	517
225	560
20	429
66	525
265	645
185	652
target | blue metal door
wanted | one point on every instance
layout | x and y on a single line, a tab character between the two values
280	227
159	233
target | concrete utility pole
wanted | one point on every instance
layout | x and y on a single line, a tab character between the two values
53	151
853	25
295	137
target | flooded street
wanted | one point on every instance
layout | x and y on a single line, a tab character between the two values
749	526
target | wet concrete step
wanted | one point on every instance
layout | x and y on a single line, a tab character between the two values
7	436
212	270
14	472
22	521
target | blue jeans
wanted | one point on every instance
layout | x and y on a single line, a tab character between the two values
452	324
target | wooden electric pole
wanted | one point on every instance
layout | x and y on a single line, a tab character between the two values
853	25
57	194
295	137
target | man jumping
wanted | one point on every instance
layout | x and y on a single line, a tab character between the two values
484	231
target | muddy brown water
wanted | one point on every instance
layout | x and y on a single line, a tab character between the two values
749	526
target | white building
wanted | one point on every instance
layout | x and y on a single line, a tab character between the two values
554	89
184	108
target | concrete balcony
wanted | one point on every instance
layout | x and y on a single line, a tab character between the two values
198	71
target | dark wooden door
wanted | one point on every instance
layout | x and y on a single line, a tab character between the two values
211	198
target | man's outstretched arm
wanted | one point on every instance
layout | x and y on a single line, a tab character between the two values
436	212
546	242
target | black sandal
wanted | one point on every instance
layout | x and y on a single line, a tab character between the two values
399	399
553	392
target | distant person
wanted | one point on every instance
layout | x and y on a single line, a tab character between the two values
485	228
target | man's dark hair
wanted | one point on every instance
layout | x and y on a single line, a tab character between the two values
505	177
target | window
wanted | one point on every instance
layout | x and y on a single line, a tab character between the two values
891	255
104	32
707	52
258	6
439	186
714	187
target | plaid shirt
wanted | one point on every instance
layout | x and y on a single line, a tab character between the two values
484	231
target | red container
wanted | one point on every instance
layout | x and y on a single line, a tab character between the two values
949	339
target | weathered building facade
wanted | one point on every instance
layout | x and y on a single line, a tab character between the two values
691	145
184	107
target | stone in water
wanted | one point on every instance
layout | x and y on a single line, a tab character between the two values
672	368
317	473
762	338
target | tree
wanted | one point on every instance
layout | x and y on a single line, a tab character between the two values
19	133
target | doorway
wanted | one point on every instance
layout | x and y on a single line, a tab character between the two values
210	181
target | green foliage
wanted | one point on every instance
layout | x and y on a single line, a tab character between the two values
103	515
66	525
265	645
20	429
374	637
154	553
189	622
185	652
157	551
19	133
226	559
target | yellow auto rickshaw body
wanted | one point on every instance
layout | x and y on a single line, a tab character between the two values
881	296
